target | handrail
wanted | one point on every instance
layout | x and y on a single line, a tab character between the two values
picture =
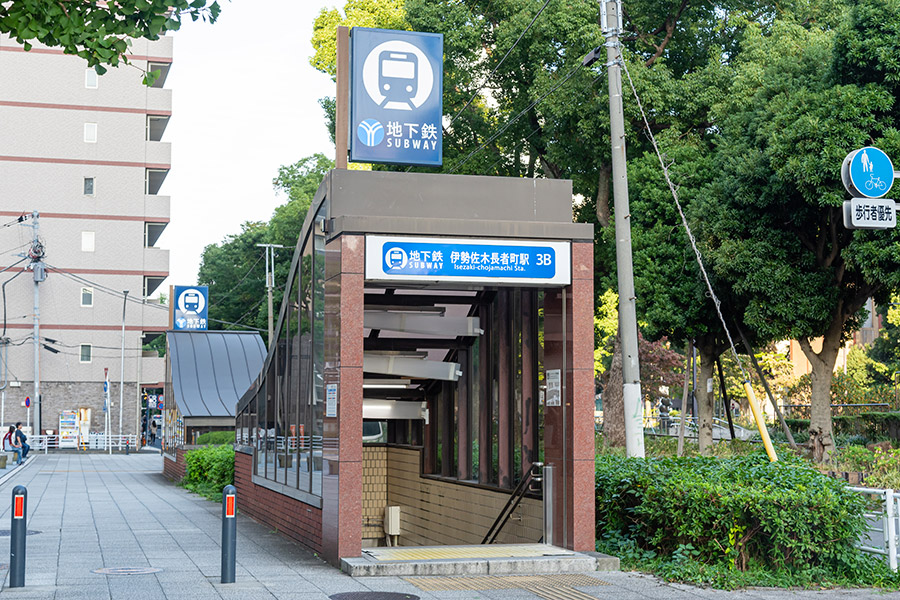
534	474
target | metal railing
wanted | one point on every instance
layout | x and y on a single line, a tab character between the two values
881	535
94	441
655	425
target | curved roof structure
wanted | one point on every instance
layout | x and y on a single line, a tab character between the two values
211	370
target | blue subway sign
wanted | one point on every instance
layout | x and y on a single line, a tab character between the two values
401	258
396	97
191	308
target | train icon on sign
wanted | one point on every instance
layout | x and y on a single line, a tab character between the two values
395	258
398	76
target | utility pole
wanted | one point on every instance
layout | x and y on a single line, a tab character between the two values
122	371
36	254
270	283
611	23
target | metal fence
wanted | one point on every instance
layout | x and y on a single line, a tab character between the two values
883	525
657	425
94	441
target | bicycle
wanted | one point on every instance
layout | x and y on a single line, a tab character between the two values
875	183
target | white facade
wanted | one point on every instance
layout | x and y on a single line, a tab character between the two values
87	153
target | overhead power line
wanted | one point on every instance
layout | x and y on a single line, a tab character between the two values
509	123
134	299
494	71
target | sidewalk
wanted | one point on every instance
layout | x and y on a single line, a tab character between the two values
96	510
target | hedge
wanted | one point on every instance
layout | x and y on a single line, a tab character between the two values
208	470
216	437
734	511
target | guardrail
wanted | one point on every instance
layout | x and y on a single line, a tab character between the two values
656	425
889	518
94	441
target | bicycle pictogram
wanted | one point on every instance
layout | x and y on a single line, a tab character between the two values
875	183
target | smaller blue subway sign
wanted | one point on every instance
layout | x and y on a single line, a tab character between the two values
400	258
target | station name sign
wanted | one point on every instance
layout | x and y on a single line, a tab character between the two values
468	260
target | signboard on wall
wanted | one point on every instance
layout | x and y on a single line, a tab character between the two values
396	96
191	308
468	260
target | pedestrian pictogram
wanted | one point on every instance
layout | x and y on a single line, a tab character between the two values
867	172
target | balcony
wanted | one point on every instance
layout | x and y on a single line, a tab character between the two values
156	260
159	153
157	208
159	100
153	368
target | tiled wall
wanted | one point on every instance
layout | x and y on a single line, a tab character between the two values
443	513
375	469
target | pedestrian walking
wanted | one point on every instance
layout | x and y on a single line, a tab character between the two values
21	438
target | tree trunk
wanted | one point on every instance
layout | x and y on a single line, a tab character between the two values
705	400
821	442
614	402
689	355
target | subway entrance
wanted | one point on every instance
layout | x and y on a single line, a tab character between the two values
435	343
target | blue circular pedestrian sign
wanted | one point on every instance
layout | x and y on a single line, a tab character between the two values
868	172
27	401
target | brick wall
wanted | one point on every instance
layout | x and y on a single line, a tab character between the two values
291	518
434	513
174	469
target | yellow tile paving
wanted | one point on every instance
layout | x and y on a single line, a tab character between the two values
473	552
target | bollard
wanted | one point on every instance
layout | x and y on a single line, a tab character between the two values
17	537
126	447
229	532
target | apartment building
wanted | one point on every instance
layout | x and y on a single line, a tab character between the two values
85	152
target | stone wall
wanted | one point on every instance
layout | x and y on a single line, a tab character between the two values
57	396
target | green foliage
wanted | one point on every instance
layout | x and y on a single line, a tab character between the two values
733	512
216	437
882	467
606	324
234	269
208	470
99	32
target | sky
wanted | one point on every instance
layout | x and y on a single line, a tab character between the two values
245	101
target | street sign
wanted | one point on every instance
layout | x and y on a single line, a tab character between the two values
396	96
191	308
870	213
27	401
467	260
867	172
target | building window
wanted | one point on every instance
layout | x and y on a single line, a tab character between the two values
88	186
87	296
85	353
87	241
90	133
91	79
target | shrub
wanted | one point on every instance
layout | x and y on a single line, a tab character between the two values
208	470
734	512
216	437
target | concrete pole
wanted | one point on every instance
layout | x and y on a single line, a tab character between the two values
122	369
38	272
611	16
270	284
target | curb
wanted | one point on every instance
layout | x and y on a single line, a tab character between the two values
18	469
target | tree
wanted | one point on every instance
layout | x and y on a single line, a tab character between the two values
99	32
234	269
773	213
